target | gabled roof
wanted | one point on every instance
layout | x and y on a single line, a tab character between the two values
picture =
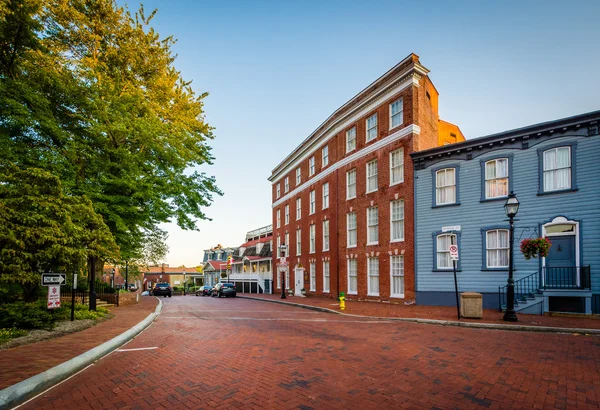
254	242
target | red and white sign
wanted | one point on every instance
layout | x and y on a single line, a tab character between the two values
53	297
454	252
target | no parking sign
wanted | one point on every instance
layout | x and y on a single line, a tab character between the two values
454	252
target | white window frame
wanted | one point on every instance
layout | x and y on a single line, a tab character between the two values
278	248
286	186
496	178
326	235
350	229
372	178
373	272
348	184
399	113
351	139
298	176
326	195
311	166
287	214
497	250
445	187
313	276
397	219
313	202
298	242
446	252
326	277
399	153
325	156
397	270
352	270
554	171
278	190
298	208
371	133
313	239
288	246
279	218
373	224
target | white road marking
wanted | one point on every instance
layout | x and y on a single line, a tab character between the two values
280	319
139	348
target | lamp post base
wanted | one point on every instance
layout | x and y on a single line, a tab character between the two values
510	316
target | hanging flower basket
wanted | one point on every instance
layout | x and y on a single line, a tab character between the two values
532	248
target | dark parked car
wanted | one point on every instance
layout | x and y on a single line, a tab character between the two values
204	291
162	289
224	289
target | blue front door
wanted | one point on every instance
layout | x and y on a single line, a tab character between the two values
561	269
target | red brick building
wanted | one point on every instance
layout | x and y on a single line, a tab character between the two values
343	199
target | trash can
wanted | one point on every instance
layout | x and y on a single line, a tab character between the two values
471	305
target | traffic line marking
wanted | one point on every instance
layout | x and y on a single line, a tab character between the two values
139	348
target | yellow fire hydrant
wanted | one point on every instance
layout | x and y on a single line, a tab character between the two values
342	301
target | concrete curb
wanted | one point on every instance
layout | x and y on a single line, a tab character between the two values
517	328
26	389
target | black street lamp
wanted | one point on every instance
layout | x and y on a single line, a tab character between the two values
282	251
511	207
184	282
126	271
113	278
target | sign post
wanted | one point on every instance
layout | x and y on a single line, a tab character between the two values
73	296
454	257
53	297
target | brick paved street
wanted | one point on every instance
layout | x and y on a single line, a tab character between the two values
237	353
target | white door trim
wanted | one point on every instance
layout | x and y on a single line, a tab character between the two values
561	220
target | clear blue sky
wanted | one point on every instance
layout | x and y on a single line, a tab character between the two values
275	70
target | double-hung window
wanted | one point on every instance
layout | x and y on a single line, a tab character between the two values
325	276
278	190
313	277
351	139
372	176
351	184
326	195
312	238
352	277
298	208
325	156
298	176
286	187
279	218
496	248
278	251
443	250
298	242
496	178
557	169
396	113
287	243
445	186
372	225
397	276
351	229
372	127
397	220
313	202
311	166
397	166
373	274
325	235
287	214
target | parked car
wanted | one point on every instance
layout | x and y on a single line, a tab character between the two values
224	289
204	291
132	287
162	289
146	293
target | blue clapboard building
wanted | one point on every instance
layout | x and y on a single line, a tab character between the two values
460	191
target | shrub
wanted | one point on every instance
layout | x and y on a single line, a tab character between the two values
7	334
26	316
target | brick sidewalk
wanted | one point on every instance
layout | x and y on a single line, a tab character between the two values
379	309
20	363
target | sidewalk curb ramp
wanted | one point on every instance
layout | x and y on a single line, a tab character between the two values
494	326
18	393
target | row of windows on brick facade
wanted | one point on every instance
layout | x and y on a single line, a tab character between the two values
373	289
396	119
495	247
556	174
372	224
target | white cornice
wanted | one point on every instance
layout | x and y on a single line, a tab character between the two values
395	85
411	129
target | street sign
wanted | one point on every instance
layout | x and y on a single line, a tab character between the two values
454	252
450	228
51	279
53	296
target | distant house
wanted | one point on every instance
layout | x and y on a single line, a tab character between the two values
459	196
213	258
166	274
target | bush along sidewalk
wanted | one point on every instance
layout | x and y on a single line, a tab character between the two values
18	317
